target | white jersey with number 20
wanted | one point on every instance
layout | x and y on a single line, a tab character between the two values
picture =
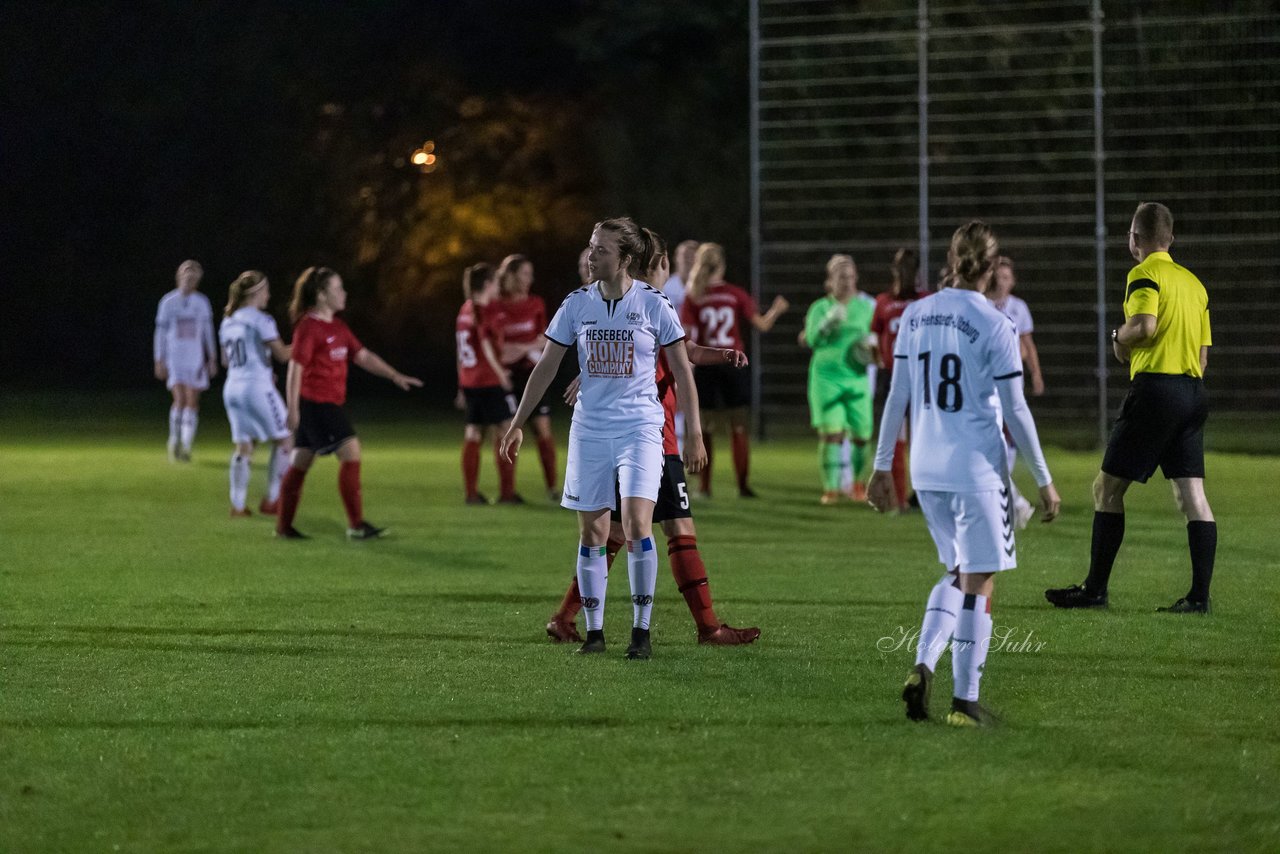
952	347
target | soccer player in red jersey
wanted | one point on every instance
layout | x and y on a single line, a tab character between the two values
484	385
712	314
672	508
524	317
316	388
884	324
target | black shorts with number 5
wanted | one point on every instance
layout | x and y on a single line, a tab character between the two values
673	493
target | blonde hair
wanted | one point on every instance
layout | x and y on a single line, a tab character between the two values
507	272
708	260
833	266
246	283
973	252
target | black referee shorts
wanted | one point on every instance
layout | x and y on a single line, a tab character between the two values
322	427
673	493
488	405
1161	424
722	387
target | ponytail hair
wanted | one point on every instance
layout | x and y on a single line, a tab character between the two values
307	289
507	272
652	249
709	259
973	252
474	278
245	284
906	270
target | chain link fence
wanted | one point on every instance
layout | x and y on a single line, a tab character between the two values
879	125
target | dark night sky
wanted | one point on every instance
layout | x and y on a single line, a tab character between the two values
134	135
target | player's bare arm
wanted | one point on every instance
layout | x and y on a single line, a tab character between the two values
293	394
764	322
539	380
695	453
699	355
280	351
374	364
504	376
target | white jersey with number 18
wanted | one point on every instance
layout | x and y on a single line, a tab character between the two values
952	348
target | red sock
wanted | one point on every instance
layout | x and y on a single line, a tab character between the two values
741	455
470	466
900	472
506	471
691	578
290	495
705	476
611	549
547	453
349	488
571	604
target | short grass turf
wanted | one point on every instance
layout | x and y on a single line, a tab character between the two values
174	680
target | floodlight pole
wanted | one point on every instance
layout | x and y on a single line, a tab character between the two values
1100	221
757	265
922	41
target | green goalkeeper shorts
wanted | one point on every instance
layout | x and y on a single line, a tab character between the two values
841	406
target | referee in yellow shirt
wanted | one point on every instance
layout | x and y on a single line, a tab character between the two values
1165	339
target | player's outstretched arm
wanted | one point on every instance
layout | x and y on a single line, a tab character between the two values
699	355
539	380
374	364
695	453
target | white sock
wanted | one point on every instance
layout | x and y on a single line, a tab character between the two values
175	420
939	621
642	570
969	649
593	580
188	429
239	480
275	472
846	465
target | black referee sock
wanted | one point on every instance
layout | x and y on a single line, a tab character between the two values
1108	534
1202	540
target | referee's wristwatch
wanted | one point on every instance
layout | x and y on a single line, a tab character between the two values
1115	336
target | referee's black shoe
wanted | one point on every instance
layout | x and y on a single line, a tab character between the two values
1076	596
1186	606
915	693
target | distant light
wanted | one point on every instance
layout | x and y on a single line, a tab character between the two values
420	157
428	160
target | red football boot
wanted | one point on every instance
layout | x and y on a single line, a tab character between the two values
564	631
269	508
727	635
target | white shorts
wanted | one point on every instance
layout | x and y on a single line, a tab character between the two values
633	463
972	530
256	412
192	374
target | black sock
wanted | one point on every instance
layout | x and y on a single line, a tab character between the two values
1108	534
1202	540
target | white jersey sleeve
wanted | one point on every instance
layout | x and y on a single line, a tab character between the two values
164	323
208	338
1020	314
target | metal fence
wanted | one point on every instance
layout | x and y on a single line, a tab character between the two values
884	124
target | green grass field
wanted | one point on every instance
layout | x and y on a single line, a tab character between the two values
177	681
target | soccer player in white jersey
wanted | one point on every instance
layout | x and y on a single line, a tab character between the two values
958	368
250	338
185	352
615	440
1015	308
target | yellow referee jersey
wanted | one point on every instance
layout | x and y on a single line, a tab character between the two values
1180	305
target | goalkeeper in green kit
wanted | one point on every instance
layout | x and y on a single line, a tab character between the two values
837	328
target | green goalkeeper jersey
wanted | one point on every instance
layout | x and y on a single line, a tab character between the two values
831	336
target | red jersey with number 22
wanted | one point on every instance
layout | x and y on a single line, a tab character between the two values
323	349
716	319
